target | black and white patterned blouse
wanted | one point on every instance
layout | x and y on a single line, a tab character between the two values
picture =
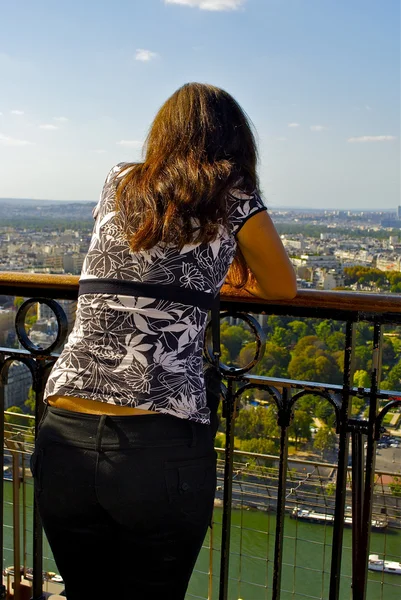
140	351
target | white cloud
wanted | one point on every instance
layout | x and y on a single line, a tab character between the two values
130	143
318	128
5	140
368	107
294	125
145	55
48	126
210	4
100	151
60	119
281	139
371	138
17	112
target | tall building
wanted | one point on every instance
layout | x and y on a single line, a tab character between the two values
17	388
7	317
69	307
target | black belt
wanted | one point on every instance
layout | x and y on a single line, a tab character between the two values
173	293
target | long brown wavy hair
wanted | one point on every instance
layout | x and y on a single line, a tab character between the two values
200	147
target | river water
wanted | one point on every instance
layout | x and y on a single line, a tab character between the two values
306	560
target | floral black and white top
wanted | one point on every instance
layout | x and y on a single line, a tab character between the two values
137	351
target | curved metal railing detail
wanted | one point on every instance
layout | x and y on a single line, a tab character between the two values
283	393
39	361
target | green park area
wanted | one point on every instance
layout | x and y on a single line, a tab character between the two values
306	350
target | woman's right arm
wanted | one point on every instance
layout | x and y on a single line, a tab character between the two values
267	258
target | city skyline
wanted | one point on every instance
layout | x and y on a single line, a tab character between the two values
320	82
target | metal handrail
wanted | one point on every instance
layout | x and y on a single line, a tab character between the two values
34	285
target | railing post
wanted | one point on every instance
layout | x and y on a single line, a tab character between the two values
230	408
3	590
37	570
357	508
16	523
366	520
282	478
341	484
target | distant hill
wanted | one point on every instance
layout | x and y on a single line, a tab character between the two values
23	212
31	202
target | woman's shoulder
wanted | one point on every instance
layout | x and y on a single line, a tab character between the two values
119	170
241	206
113	176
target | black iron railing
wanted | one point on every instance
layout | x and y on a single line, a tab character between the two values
363	433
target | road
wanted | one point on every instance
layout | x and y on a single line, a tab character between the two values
388	459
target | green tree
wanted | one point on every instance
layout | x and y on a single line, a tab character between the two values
336	341
257	422
273	322
259	445
324	329
299	330
361	379
300	426
395	487
306	342
13	419
233	338
396	288
330	489
325	440
30	402
363	358
389	356
357	405
274	362
394	277
247	354
363	334
314	365
307	403
324	411
18	300
220	440
281	337
393	380
224	355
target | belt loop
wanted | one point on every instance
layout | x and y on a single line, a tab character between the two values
100	427
194	438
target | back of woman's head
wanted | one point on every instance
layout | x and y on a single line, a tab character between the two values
199	147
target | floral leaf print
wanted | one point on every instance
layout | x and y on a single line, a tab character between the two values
142	325
156	253
136	351
134	338
139	377
175	327
168	360
191	277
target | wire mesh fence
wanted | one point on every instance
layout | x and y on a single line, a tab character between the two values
309	506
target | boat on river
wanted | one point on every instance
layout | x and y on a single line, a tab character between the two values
28	574
386	566
313	516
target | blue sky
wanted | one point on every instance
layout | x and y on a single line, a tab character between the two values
81	81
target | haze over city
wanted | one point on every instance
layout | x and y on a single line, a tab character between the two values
320	80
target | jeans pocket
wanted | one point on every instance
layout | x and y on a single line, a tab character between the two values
191	486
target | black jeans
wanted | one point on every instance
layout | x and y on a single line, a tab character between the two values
125	501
